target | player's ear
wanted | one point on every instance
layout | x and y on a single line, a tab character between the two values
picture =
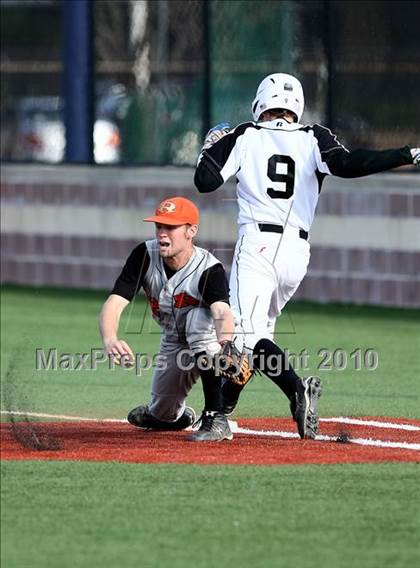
192	230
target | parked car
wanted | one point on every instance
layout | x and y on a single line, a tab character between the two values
38	133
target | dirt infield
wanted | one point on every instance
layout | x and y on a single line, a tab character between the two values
266	441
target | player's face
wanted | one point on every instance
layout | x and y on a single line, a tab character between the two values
174	240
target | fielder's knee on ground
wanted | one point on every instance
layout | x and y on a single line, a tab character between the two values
166	408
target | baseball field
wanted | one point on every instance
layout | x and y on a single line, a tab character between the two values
81	487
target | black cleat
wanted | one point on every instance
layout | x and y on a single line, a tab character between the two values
214	427
141	417
305	412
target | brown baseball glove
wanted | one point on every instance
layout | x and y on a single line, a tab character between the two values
233	365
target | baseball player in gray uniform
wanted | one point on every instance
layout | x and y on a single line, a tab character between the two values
188	293
279	165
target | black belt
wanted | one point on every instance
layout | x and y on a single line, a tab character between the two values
270	228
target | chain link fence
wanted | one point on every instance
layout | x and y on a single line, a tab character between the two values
167	69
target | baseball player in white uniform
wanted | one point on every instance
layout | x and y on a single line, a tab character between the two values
279	165
188	293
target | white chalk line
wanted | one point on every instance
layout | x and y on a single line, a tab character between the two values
324	438
61	416
338	419
272	433
373	423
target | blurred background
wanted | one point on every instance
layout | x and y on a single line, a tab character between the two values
155	74
104	105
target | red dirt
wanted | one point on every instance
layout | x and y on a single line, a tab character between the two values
100	441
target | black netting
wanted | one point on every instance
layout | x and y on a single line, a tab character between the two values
359	63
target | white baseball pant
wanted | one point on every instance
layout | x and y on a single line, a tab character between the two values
267	270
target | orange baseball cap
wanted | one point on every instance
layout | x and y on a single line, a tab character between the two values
175	211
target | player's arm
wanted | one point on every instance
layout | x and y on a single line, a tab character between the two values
220	157
333	158
224	321
362	162
125	288
109	320
214	289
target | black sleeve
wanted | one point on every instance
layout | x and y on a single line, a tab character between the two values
207	175
357	163
131	278
327	141
362	162
213	285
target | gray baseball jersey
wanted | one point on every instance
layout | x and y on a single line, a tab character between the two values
172	298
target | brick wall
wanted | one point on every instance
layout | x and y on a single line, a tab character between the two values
74	226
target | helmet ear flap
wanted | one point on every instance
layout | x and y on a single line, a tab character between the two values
254	107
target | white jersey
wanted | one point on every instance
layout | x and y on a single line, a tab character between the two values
279	168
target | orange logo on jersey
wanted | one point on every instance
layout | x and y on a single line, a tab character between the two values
166	207
183	300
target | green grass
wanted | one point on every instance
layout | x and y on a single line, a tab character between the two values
134	515
67	320
58	514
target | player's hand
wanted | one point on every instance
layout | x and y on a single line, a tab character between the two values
120	352
215	133
415	152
